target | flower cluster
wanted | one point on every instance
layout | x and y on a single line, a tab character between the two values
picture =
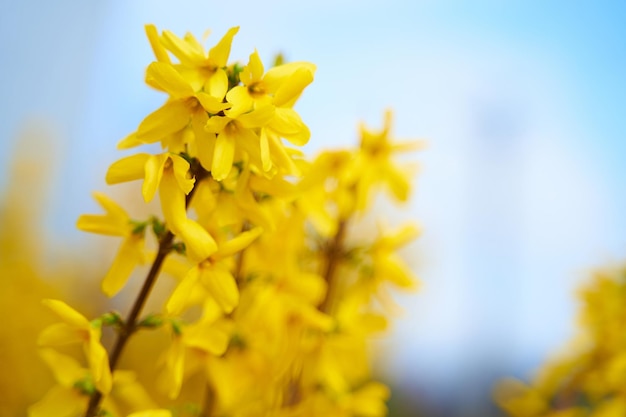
589	379
272	305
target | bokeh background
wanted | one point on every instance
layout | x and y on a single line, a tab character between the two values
520	192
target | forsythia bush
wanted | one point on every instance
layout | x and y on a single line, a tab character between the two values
272	301
590	379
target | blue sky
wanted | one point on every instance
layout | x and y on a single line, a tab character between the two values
520	192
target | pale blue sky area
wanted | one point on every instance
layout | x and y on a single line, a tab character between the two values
521	189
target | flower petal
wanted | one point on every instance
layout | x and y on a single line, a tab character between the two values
159	51
222	286
67	313
292	87
168	119
59	401
242	241
181	173
66	369
128	256
60	334
223	154
178	300
186	52
99	363
210	103
220	52
168	79
217	84
126	169
153	173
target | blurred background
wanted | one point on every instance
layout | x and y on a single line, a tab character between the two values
520	192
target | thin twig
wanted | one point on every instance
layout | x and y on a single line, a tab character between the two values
130	324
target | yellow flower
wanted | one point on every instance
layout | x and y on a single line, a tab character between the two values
169	173
280	86
386	264
192	344
64	399
115	222
373	164
75	385
75	328
235	132
213	277
184	105
204	71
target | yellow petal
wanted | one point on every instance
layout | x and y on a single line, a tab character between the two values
216	124
129	168
159	51
111	207
103	225
66	369
168	119
59	401
176	367
369	401
217	84
114	223
315	318
165	76
255	66
181	173
200	245
398	182
288	124
220	52
60	334
281	157
130	391
406	234
264	147
211	104
67	313
186	52
256	118
274	77
241	100
130	141
222	286
223	155
99	363
153	173
209	337
178	300
292	87
193	42
128	256
242	241
391	268
308	287
172	201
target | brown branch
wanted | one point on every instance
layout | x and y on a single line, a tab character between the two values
334	252
130	324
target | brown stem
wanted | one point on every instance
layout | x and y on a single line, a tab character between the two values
209	402
334	253
130	324
129	327
239	261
